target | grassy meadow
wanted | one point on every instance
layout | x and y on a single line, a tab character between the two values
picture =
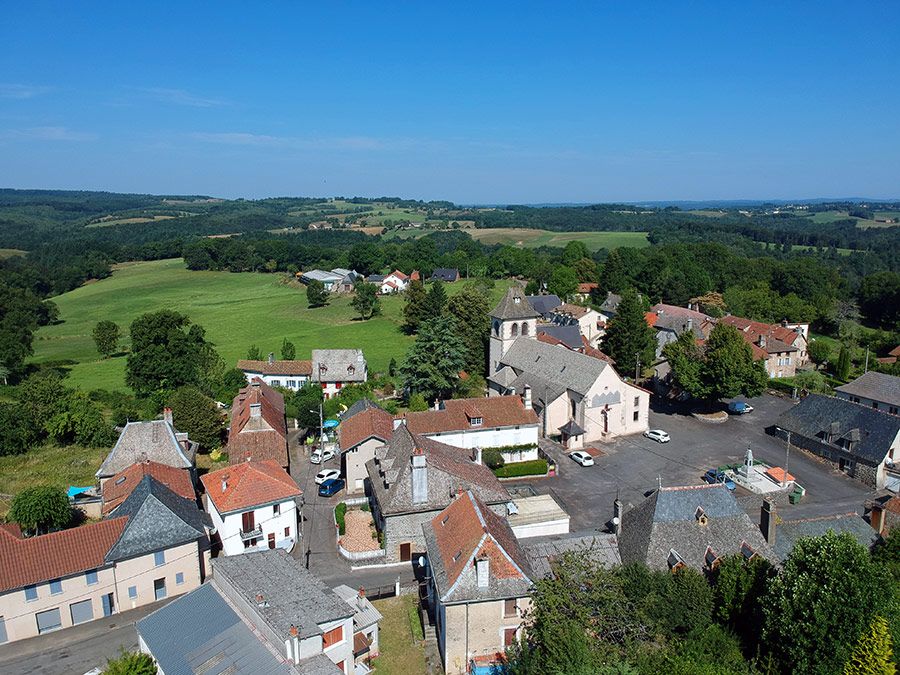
532	238
237	310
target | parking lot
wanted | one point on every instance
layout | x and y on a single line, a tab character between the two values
634	466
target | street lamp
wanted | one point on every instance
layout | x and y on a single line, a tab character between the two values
787	456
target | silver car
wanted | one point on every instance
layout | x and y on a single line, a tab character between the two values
657	435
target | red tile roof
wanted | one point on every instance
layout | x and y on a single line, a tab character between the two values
370	423
118	487
55	555
249	485
457	414
399	275
276	367
415	276
587	288
258	438
779	338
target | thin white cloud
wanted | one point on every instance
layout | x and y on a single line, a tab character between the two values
21	91
181	97
362	143
47	134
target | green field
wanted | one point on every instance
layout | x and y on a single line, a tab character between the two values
10	252
237	310
534	238
801	247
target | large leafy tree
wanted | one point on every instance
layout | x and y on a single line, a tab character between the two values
316	295
17	433
873	653
470	309
434	360
106	337
40	509
819	352
614	276
304	405
130	663
563	282
738	588
79	421
366	258
195	413
823	600
414	307
628	337
365	300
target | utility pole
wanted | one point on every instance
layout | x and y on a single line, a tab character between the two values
637	366
867	361
787	459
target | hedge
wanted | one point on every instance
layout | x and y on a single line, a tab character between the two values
339	511
535	467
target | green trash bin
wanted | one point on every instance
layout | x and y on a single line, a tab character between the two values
795	497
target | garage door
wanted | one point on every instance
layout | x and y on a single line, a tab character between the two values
47	621
82	611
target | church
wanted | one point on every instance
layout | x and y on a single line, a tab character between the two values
578	398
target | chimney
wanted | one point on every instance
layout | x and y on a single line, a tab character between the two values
526	397
476	456
834	429
784	323
690	324
224	484
618	512
293	631
419	477
255	384
255	409
767	517
876	518
437	404
167	416
271	358
762	341
482	572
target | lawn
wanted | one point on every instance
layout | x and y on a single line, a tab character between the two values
237	310
402	653
530	238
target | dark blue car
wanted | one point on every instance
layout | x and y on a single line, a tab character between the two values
714	476
331	487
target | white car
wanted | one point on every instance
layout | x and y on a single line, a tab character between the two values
657	435
320	456
582	458
327	474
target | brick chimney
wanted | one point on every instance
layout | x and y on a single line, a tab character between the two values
767	517
167	416
271	358
482	572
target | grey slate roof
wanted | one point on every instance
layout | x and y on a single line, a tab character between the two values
611	304
514	305
364	612
199	632
601	548
543	304
361	405
679	324
669	520
445	274
550	369
861	432
292	594
877	386
155	440
337	365
789	532
570	335
158	519
449	470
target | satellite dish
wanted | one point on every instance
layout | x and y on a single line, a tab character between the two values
421	561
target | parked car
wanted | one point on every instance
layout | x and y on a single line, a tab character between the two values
331	487
327	474
739	408
657	435
582	458
714	476
318	456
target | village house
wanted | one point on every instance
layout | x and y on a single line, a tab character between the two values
364	427
412	478
336	368
395	282
609	306
338	280
155	545
878	391
479	584
507	423
783	346
293	374
856	439
156	441
445	274
253	505
670	321
257	430
262	613
117	488
693	526
584	290
588	321
578	397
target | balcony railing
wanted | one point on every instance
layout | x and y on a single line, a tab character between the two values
251	534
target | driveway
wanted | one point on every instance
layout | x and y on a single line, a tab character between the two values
635	465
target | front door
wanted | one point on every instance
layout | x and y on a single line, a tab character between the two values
405	552
248	521
271	540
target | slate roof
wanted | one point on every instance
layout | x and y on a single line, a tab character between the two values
567	309
158	519
264	367
662	309
261	437
58	554
200	632
543	304
873	385
457	414
670	519
364	612
249	485
369	423
338	365
569	336
601	548
117	488
675	323
155	440
789	532
514	305
449	470
358	407
291	594
463	533
611	304
445	274
550	370
814	416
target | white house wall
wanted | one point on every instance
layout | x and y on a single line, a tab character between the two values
292	382
229	528
490	437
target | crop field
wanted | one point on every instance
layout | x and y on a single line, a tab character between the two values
109	222
237	310
10	252
534	238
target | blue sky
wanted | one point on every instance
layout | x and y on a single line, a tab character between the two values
477	103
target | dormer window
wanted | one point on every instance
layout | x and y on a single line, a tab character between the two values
700	515
350	370
517	300
476	421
